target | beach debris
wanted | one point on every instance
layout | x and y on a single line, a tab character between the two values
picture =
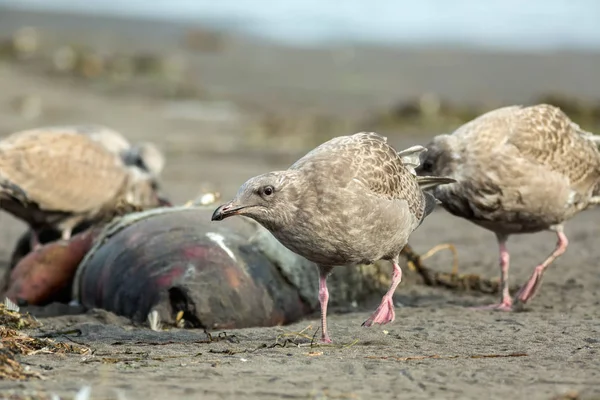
15	343
11	369
10	306
446	357
568	395
154	320
18	342
12	318
205	198
451	280
431	252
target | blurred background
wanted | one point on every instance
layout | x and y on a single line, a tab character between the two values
230	89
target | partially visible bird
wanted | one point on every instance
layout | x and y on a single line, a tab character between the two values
517	170
68	178
351	200
145	155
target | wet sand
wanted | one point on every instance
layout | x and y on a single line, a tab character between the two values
434	348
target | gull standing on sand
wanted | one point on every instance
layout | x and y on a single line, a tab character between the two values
68	178
351	200
517	170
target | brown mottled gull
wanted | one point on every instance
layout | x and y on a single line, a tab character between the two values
144	155
68	178
517	170
351	200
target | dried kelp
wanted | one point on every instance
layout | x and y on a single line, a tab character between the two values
15	343
452	280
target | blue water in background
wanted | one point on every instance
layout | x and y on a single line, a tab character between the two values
508	24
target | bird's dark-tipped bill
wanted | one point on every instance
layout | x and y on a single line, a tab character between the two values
224	211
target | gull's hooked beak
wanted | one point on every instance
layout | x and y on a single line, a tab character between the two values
226	210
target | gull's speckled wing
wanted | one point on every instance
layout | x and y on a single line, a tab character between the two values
364	158
61	171
545	135
110	139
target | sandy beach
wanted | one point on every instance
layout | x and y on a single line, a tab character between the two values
436	348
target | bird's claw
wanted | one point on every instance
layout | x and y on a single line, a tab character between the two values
384	313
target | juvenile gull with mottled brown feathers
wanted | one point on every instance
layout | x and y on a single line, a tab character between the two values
518	170
351	200
144	155
68	178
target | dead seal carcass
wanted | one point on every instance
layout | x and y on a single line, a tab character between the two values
174	260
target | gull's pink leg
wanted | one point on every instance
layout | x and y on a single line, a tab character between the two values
385	312
324	299
505	301
533	284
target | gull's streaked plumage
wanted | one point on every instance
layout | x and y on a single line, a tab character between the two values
518	170
144	155
351	200
68	178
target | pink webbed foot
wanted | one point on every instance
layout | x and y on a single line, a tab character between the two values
530	288
385	313
325	339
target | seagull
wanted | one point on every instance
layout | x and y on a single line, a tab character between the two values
352	200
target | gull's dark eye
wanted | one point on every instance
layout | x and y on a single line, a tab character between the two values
268	190
427	166
140	164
